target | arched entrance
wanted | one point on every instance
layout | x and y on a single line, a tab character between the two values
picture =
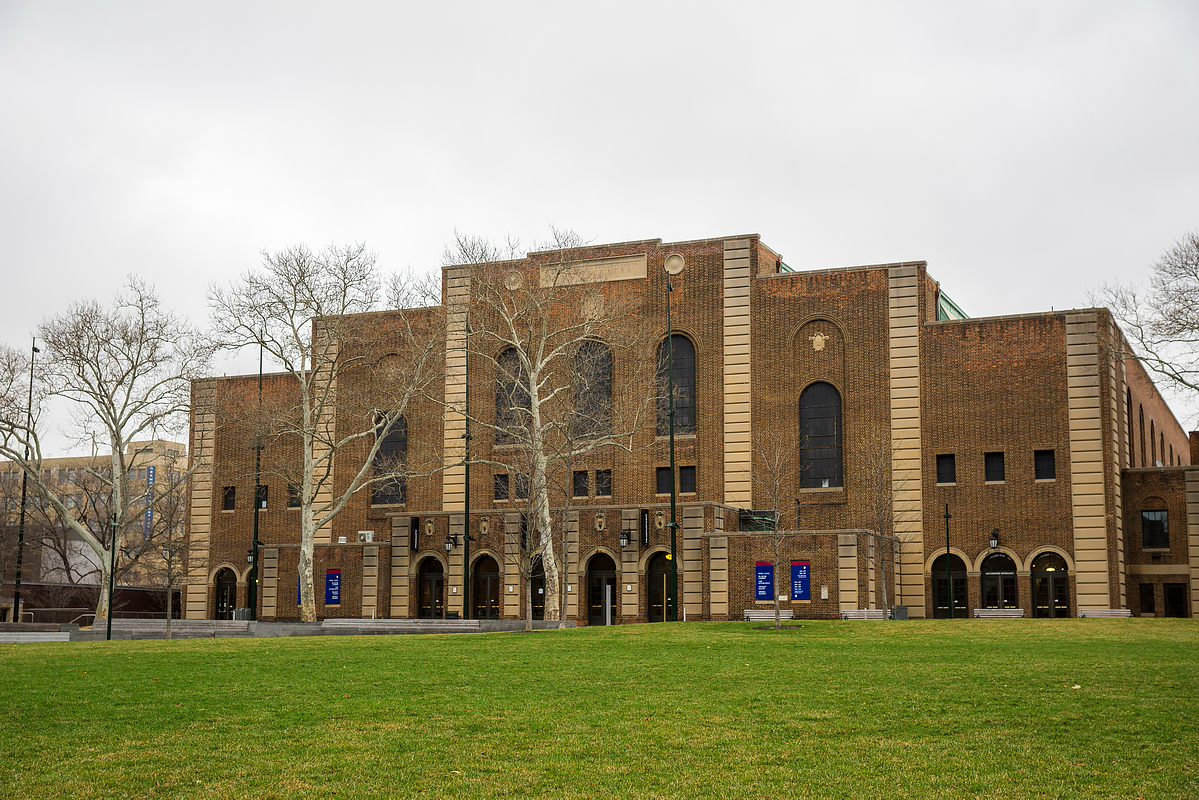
944	586
226	593
657	580
430	593
485	589
1050	586
999	582
537	579
601	589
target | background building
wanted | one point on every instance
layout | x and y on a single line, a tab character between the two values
1060	472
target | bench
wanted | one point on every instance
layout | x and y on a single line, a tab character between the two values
864	613
999	613
1095	613
766	615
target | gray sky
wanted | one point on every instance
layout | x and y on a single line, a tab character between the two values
1026	150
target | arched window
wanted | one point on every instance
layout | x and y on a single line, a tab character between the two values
391	484
1152	444
820	437
593	390
684	385
1141	414
1050	586
947	585
1132	458
512	400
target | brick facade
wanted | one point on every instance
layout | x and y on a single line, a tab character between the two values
1048	391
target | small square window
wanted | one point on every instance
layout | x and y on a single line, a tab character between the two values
522	487
501	486
1043	465
993	467
603	483
262	496
1155	530
230	498
293	495
581	483
662	482
947	471
687	480
1147	604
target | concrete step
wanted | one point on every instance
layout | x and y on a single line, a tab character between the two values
34	636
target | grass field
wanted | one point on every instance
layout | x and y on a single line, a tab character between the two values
1050	708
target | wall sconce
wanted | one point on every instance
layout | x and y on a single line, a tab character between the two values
451	541
250	556
625	538
995	538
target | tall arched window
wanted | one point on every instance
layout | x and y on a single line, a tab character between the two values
820	437
512	401
391	486
1152	444
1141	414
684	385
1132	458
593	390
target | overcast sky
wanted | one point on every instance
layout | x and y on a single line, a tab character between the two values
1027	150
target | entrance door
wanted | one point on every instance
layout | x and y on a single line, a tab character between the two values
537	579
658	588
1175	599
942	588
485	589
999	582
430	601
601	579
226	594
1050	586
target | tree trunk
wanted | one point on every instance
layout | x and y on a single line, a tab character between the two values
170	598
529	601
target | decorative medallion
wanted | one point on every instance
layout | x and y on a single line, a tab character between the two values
818	340
659	519
513	280
429	528
484	526
593	307
599	523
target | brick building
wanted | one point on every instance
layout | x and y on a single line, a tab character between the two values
1065	477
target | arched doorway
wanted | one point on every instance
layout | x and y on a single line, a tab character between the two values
601	589
1050	586
999	582
226	593
537	579
485	589
657	580
430	594
944	586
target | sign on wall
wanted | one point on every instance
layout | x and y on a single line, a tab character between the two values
764	581
801	580
333	587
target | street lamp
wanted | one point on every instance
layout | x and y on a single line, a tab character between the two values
673	266
948	567
16	600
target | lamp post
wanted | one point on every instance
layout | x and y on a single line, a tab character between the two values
948	567
16	599
112	574
673	266
252	556
466	467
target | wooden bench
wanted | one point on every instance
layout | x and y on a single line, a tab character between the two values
1096	613
864	613
999	613
766	615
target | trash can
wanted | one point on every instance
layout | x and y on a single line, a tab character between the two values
451	615
241	613
899	612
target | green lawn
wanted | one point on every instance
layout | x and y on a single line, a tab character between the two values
1050	708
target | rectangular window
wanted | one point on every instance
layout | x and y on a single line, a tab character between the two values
1155	530
230	498
501	486
1147	605
662	484
993	467
603	483
947	471
293	496
261	496
687	480
581	483
522	487
1043	465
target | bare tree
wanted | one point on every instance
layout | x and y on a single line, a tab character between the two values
1162	321
883	545
775	464
306	310
550	335
126	375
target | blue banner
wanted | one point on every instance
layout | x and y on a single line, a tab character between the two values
333	587
148	524
801	580
764	580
